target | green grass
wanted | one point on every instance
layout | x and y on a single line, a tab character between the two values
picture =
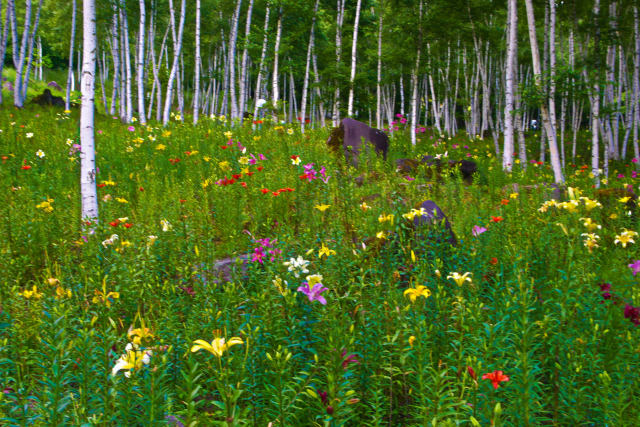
533	310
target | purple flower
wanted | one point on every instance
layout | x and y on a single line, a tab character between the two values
258	255
172	420
408	178
632	313
314	294
131	129
478	230
635	267
620	175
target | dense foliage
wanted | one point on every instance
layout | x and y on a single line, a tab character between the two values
530	320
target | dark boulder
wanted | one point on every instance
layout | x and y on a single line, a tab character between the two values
47	99
434	217
349	137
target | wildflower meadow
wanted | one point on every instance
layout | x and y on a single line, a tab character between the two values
333	310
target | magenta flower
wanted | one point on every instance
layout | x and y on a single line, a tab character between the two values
131	129
478	230
635	267
632	313
314	293
348	359
634	160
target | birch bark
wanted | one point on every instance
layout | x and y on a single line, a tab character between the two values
140	73
535	56
196	95
305	85
507	152
263	54
233	37
354	47
174	67
244	77
88	191
67	101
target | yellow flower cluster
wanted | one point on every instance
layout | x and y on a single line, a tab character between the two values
626	237
46	205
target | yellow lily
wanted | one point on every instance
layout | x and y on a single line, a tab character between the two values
418	291
460	278
325	251
217	347
322	208
138	334
133	359
33	293
104	296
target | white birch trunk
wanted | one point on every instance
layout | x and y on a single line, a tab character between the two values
196	95
595	118
233	37
552	73
414	82
305	85
17	90
115	53
336	95
507	152
67	100
174	68
535	56
263	55
127	65
275	95
354	47
141	69
244	76
379	74
636	86
3	41
88	191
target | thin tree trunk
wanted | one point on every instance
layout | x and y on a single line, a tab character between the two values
127	65
141	68
507	152
261	67
275	95
535	56
354	47
233	37
244	76
379	75
176	58
414	82
3	41
88	191
17	90
336	95
196	95
67	101
305	85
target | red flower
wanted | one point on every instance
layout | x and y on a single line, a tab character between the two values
493	260
260	168
276	193
26	167
114	223
264	190
244	184
249	173
141	189
504	202
188	153
472	373
224	147
183	200
237	176
128	225
101	185
496	218
496	378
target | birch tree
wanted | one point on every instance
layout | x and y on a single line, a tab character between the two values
535	57
507	152
3	40
88	191
414	83
233	37
141	69
275	94
305	86
244	87
265	39
354	47
196	95
67	100
176	57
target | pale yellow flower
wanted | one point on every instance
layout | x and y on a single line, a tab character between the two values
217	347
384	218
322	208
460	278
625	238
